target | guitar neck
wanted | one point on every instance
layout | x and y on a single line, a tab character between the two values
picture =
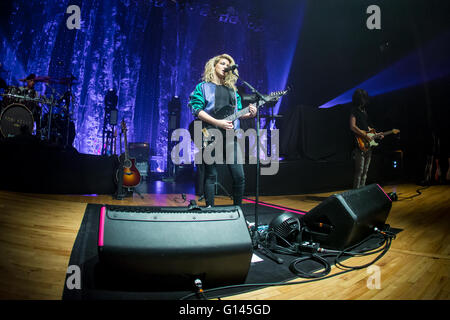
126	145
238	114
246	110
388	132
125	141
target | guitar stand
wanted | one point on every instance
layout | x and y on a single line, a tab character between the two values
218	185
122	192
139	194
127	192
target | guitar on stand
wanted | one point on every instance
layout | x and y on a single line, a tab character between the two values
127	176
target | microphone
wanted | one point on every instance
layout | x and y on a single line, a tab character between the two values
230	68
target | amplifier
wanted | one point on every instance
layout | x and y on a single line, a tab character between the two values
142	168
139	150
174	246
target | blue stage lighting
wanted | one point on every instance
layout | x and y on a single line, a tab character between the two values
423	65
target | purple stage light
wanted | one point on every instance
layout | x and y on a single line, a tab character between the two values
424	64
285	23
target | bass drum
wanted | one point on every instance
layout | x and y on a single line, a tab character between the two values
16	119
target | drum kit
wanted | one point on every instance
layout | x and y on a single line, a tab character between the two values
23	111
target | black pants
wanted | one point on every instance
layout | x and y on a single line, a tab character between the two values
236	169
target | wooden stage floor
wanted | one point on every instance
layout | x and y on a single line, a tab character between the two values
37	233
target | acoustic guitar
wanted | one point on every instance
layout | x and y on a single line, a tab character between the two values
364	145
131	175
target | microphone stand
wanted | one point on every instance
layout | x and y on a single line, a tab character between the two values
255	236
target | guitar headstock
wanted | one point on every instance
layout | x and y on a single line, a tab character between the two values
275	95
395	131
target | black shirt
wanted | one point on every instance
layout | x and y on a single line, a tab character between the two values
362	119
223	99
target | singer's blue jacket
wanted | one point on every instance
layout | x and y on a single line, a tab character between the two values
204	98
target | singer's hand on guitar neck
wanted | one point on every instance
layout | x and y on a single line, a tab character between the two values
252	109
251	113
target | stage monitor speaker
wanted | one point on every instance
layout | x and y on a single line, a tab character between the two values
171	247
345	219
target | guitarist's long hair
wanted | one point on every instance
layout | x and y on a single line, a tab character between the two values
230	78
360	99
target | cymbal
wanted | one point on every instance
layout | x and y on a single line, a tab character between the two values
48	79
38	79
68	80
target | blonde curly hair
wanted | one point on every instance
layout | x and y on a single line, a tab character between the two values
208	74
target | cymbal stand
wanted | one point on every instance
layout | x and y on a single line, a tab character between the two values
41	115
50	119
68	98
68	95
50	114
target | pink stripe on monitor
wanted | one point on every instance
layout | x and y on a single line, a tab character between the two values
384	192
275	207
101	228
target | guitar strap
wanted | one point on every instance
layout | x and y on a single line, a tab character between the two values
235	102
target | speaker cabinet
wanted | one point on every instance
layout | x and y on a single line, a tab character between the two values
171	247
345	219
139	150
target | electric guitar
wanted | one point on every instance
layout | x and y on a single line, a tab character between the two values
131	175
363	145
272	97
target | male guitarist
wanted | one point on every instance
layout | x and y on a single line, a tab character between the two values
211	101
359	124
